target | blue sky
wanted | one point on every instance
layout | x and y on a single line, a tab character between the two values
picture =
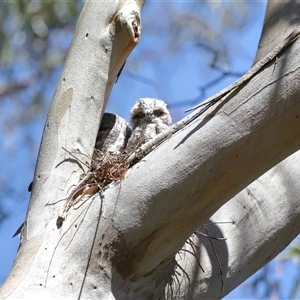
174	78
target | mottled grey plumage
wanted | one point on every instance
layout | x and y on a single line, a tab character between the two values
113	133
149	117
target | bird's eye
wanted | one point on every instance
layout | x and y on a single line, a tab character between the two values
158	112
139	115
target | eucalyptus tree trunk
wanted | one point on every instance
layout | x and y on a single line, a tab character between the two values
129	241
105	34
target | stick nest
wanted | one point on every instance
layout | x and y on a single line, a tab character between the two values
108	167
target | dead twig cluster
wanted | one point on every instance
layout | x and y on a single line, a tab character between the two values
106	167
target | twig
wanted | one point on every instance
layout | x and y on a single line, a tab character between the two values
193	245
217	257
69	201
253	71
75	157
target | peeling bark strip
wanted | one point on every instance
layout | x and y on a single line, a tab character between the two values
63	104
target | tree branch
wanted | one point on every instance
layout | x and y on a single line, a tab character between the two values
257	223
207	163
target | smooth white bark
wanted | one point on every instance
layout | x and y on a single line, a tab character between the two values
257	224
265	214
106	32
